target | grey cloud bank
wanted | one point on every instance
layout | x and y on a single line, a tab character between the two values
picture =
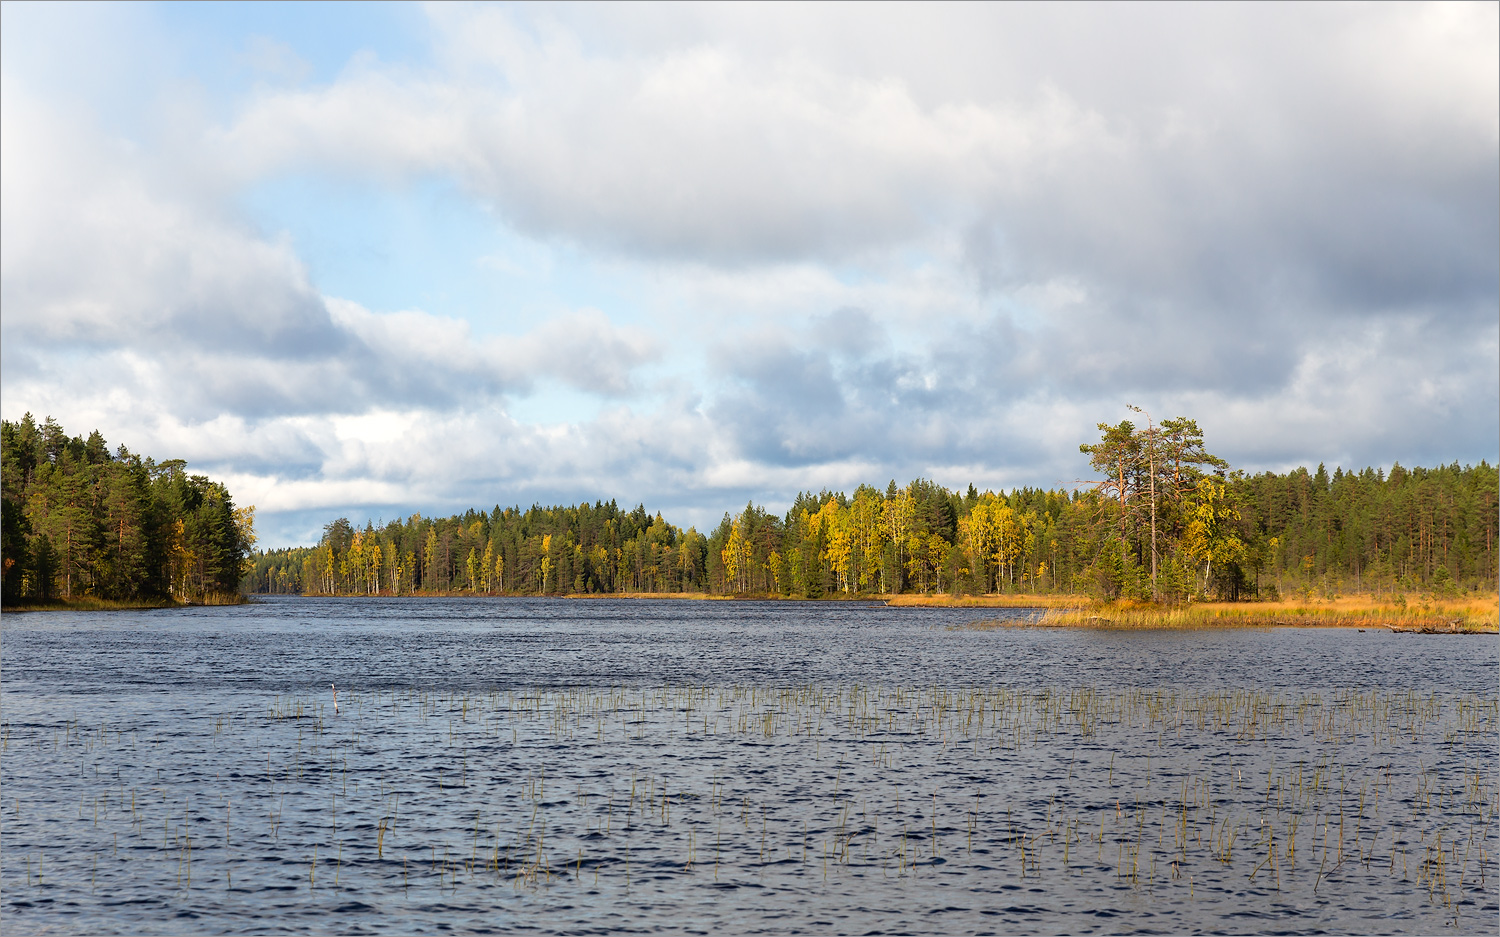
869	243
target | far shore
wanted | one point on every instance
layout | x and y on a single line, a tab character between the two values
903	600
89	603
1468	614
1429	614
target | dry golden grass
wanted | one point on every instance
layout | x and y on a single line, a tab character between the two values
736	597
221	598
695	596
89	603
988	601
1424	613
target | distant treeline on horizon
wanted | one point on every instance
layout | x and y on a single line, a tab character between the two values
1165	520
1218	534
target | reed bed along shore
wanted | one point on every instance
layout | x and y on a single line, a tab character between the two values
690	596
1476	615
1196	806
941	600
676	596
89	603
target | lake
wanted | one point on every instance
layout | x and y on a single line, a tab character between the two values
572	766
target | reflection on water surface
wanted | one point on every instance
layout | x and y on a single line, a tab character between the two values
627	766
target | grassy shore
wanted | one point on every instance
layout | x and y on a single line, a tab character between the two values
943	600
734	597
695	596
1419	613
1428	614
690	596
89	603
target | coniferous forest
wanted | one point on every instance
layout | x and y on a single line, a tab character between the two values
1166	520
80	522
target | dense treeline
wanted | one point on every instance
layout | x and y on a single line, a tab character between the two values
597	548
1184	525
1414	528
1167	520
79	521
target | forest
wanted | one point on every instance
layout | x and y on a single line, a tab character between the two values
1164	520
80	522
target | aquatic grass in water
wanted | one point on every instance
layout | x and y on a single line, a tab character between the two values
783	738
1055	808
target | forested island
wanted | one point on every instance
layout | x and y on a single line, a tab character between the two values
82	524
1165	521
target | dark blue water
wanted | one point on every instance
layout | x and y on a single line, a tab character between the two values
599	765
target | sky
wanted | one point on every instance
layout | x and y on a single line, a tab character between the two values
366	260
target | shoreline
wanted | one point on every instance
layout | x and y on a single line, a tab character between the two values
91	604
1423	615
901	600
1097	623
1431	615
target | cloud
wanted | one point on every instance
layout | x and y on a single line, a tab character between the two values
821	247
274	60
184	333
699	152
97	257
1010	406
202	316
1161	157
583	349
1212	198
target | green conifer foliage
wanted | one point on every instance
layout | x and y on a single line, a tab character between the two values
80	522
1217	533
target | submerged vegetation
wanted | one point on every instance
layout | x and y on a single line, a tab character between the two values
1203	805
87	528
1166	521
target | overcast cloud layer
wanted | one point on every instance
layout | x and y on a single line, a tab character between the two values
695	255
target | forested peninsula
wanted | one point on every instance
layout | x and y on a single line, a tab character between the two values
82	525
1164	521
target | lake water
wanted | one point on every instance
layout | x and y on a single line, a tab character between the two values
633	766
